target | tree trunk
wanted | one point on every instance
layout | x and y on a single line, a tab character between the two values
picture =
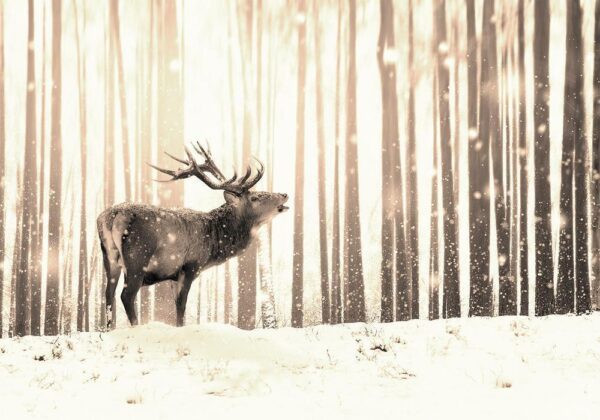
434	250
324	262
595	298
352	236
387	179
544	283
298	256
23	290
412	193
2	167
16	255
146	152
573	108
170	130
109	153
82	275
480	303
574	72
336	296
247	261
524	173
451	297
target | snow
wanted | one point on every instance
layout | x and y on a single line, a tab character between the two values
492	368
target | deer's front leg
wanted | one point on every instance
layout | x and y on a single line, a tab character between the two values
184	282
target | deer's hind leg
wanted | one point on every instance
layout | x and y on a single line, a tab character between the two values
133	282
113	272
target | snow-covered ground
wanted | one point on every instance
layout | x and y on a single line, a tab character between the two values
499	368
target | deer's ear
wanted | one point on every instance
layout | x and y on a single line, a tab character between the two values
231	198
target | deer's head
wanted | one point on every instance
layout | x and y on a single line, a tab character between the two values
258	207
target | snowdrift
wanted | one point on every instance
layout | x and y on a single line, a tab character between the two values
484	368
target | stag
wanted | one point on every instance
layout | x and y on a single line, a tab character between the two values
153	244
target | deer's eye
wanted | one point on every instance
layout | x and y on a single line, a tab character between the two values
253	198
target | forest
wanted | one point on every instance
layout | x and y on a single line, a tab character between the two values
441	157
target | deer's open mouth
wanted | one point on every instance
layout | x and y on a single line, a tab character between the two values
282	208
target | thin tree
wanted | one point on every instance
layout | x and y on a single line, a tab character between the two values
480	302
412	193
247	261
507	296
146	139
298	256
336	296
434	251
386	70
352	232
16	254
109	144
82	274
580	159
595	190
169	104
29	198
325	299
523	172
451	297
544	284
2	167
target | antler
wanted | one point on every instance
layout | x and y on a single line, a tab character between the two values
201	170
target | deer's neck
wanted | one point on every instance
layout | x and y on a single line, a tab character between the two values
228	233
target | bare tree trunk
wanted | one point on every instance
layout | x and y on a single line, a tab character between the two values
247	261
524	173
412	193
227	296
28	226
116	39
146	152
298	256
575	71
390	199
170	130
544	284
16	255
352	237
451	297
109	153
480	303
324	262
336	297
82	275
434	250
2	167
595	193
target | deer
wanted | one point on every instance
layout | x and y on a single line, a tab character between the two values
152	244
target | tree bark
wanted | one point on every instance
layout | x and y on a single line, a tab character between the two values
2	167
336	296
412	193
247	261
523	168
352	236
298	256
324	259
480	303
82	275
575	76
434	250
28	226
595	298
544	284
170	130
451	297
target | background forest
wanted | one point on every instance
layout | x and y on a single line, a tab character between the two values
441	157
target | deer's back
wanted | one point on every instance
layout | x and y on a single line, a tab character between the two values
159	240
